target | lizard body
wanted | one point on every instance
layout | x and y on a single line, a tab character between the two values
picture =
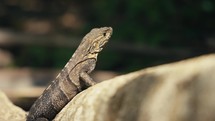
73	77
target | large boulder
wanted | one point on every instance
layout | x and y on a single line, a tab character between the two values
8	111
182	91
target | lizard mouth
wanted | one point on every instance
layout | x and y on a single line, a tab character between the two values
108	33
103	43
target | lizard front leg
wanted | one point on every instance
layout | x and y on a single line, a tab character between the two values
87	79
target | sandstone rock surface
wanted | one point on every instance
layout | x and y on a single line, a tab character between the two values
182	91
8	111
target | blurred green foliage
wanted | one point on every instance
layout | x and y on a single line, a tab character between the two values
169	24
178	23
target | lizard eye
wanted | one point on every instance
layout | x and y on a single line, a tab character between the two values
104	34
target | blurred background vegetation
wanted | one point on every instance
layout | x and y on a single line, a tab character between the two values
146	32
38	37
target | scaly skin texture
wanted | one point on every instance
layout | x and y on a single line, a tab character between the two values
73	77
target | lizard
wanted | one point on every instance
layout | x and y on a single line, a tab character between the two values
73	77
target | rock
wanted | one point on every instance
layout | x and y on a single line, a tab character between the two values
8	111
182	91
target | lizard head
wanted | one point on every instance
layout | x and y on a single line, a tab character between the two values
99	37
96	39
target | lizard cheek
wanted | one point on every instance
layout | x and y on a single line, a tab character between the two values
92	55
